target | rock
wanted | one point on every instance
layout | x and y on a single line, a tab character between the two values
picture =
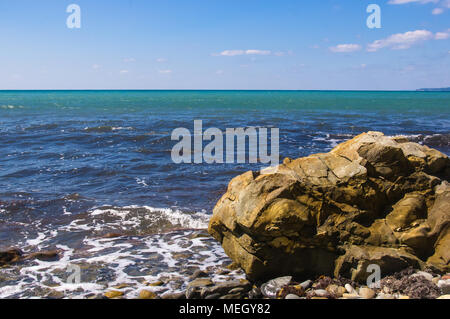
213	296
321	293
306	284
113	294
271	288
199	274
424	275
225	287
371	200
444	285
155	284
350	289
235	296
444	297
175	296
336	291
292	296
403	297
366	293
147	294
112	235
10	256
51	255
255	293
200	282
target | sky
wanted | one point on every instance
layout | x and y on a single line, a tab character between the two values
227	44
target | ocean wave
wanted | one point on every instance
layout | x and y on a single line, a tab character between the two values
432	140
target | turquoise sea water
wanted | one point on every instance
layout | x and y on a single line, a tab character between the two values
77	164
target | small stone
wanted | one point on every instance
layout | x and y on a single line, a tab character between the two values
113	294
199	274
156	284
436	280
174	296
444	297
446	276
367	293
292	296
424	275
147	294
201	282
351	296
321	293
192	293
444	285
255	293
237	290
213	296
350	289
271	288
235	296
121	286
336	291
319	298
403	297
306	284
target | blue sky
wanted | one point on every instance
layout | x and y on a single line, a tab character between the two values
227	44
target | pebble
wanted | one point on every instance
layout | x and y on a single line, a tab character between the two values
350	289
200	282
146	294
175	296
199	274
113	294
213	296
424	275
306	284
367	293
444	297
156	284
321	293
336	290
292	296
271	288
444	284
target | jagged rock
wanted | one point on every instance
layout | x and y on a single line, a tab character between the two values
371	200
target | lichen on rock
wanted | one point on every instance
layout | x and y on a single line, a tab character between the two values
371	200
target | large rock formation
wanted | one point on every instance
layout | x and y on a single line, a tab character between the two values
371	200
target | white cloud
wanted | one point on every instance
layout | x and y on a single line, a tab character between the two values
437	11
165	71
243	52
442	35
401	41
96	66
129	60
161	60
123	71
345	48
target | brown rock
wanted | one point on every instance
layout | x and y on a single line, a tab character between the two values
373	199
146	294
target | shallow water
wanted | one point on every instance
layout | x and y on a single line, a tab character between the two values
77	165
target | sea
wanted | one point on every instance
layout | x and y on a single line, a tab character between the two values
91	175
